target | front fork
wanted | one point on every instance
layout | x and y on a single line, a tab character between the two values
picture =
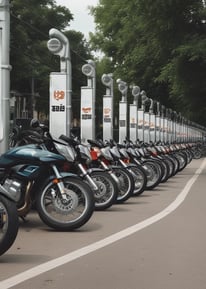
127	167
110	171
58	181
88	178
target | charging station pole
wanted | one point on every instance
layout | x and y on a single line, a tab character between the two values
152	123
88	96
141	120
146	124
157	123
122	86
107	80
133	114
60	85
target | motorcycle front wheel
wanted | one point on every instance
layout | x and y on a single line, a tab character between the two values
9	224
107	192
68	211
140	179
125	184
153	174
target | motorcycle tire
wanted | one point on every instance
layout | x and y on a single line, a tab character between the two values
171	166
107	192
196	154
182	161
175	162
140	179
153	174
9	224
125	184
164	167
68	212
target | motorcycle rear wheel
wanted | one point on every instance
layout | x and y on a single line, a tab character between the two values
68	212
9	224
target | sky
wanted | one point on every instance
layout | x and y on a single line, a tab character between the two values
82	20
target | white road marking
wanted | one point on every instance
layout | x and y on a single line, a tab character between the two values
45	267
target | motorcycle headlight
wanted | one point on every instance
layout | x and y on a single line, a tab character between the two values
66	151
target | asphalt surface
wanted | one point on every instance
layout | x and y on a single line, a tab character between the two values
154	241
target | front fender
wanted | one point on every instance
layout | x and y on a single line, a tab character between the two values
65	175
89	171
132	165
115	167
38	186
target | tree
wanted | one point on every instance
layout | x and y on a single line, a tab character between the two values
30	59
159	45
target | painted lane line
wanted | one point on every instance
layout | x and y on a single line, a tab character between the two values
45	267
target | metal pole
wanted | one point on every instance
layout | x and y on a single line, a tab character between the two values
91	62
4	75
88	99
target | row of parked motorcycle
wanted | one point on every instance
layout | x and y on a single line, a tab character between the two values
65	181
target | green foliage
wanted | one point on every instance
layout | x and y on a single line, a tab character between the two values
29	56
158	45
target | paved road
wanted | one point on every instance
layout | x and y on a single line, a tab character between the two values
155	241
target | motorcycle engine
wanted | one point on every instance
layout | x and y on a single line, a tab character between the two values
13	187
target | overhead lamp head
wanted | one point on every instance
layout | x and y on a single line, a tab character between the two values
107	79
88	70
135	90
54	45
143	95
122	86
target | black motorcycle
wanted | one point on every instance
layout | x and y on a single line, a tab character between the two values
33	178
78	158
9	221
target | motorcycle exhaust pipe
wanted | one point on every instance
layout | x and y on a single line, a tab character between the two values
23	211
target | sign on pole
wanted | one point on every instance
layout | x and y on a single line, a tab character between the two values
122	121
107	117
107	80
152	121
86	113
133	122
146	127
140	131
57	115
